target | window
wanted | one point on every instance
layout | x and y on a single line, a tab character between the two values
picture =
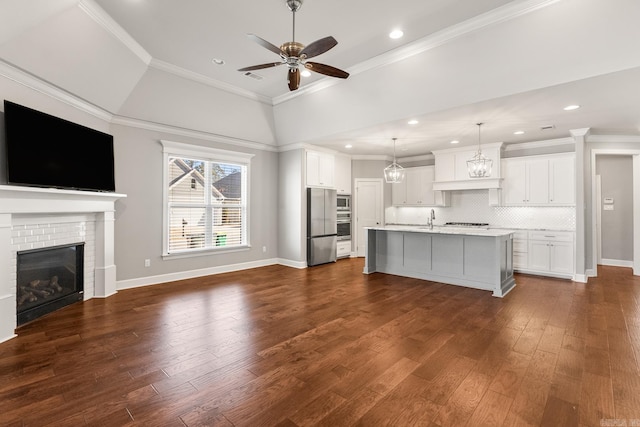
205	193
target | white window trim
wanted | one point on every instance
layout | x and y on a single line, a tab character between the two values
179	149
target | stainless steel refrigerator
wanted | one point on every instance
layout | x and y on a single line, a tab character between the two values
322	233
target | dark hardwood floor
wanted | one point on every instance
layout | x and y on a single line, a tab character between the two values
333	347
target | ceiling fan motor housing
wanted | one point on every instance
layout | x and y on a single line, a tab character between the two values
294	5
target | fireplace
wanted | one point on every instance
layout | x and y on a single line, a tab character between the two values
48	279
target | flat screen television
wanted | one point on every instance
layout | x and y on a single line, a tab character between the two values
47	151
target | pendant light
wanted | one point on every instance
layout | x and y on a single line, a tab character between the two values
479	166
394	173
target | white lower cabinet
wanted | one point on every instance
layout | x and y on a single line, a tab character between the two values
343	249
548	253
520	250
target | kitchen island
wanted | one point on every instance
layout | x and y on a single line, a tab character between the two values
475	258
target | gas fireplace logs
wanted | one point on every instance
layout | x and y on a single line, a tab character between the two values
38	289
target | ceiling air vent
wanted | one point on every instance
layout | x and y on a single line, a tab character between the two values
253	75
547	127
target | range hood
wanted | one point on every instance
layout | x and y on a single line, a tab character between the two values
451	169
468	184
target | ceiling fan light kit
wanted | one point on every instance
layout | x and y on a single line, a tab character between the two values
479	166
394	173
295	55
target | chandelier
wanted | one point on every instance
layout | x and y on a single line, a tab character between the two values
394	173
479	166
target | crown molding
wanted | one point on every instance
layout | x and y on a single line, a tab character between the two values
507	12
539	144
196	77
371	157
189	133
614	138
32	82
576	133
95	12
417	158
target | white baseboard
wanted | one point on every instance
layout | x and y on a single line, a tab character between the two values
182	275
580	278
291	263
617	263
7	338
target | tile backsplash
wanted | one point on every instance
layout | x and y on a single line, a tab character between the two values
473	206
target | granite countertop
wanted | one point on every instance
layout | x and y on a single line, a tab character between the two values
469	231
490	227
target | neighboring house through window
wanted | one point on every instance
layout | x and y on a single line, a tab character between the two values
205	199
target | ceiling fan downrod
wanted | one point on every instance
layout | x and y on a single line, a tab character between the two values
294	6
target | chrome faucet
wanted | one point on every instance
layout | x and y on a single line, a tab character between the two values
432	216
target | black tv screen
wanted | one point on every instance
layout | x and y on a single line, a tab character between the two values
47	151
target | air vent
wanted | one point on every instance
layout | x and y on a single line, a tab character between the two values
253	75
547	127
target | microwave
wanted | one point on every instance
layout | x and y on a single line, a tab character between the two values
344	202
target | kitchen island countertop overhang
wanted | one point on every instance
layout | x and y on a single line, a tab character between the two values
475	258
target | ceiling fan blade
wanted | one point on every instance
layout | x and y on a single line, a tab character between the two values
293	77
327	70
318	47
261	66
262	42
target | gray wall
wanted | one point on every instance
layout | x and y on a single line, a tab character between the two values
138	169
138	228
616	174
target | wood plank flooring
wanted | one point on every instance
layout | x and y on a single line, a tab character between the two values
329	346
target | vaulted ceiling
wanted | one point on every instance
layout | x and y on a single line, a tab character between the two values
513	65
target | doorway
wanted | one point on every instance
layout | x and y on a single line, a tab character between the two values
619	206
368	209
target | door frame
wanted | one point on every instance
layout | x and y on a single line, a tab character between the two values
354	219
595	230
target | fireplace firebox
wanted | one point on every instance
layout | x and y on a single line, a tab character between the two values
48	279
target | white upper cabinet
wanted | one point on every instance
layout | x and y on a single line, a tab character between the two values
343	174
562	178
417	189
451	168
320	169
539	180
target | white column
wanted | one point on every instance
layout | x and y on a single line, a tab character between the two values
8	322
580	135
105	268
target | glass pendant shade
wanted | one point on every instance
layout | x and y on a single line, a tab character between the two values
479	166
394	173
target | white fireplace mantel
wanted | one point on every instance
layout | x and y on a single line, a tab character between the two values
17	201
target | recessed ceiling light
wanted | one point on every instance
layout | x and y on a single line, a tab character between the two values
218	61
413	122
396	34
519	132
455	141
571	107
305	73
348	146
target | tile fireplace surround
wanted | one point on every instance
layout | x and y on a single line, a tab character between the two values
33	218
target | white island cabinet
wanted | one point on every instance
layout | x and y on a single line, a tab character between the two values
481	259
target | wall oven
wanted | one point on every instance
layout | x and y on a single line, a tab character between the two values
344	225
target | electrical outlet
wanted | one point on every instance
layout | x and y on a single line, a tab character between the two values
264	249
147	263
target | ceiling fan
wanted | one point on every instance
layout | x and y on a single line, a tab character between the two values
295	55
